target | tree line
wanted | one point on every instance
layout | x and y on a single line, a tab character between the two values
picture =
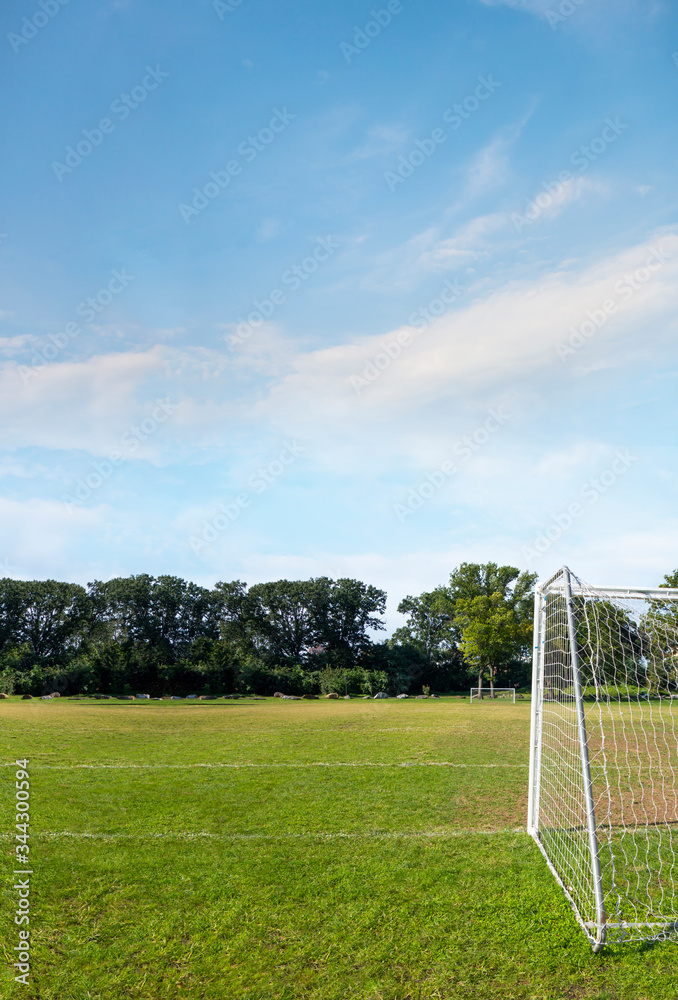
164	635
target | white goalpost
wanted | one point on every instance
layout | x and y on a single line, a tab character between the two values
603	801
481	693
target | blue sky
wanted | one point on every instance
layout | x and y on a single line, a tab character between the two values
303	289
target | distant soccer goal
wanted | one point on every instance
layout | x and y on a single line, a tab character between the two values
603	800
480	694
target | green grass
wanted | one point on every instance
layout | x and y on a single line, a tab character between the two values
269	875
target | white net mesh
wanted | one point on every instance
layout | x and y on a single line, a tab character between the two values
627	653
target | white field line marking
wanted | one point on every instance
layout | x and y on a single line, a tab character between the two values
425	763
423	835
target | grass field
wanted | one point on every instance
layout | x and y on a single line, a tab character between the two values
323	850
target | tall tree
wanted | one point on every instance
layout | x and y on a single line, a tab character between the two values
492	607
283	620
165	614
343	614
13	599
431	625
281	617
237	614
46	615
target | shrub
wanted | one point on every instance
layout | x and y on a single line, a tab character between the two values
355	681
256	677
7	682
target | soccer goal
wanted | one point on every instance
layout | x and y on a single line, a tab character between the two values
482	693
603	801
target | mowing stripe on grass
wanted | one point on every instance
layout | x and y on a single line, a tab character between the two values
125	767
417	835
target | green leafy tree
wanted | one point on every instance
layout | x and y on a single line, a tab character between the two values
162	615
237	616
492	608
13	600
431	625
281	619
316	622
343	613
47	616
141	624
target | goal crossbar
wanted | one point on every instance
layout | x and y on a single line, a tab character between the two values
603	791
660	593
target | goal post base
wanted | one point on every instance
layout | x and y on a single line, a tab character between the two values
597	940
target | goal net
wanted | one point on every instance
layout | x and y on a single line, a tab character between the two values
603	802
481	693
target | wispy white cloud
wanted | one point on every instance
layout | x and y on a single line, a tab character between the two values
558	465
468	244
404	266
74	404
580	12
490	166
497	338
550	203
532	6
493	340
12	346
41	534
269	229
624	555
382	140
